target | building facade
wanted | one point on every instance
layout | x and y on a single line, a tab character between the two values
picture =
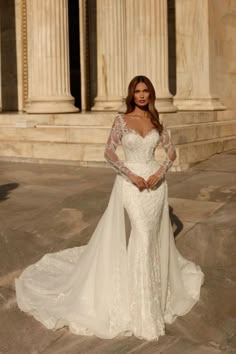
66	64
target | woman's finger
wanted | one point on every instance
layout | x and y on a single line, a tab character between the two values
151	180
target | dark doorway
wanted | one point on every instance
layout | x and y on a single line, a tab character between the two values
75	78
92	52
172	46
8	56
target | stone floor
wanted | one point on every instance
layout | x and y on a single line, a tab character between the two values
45	208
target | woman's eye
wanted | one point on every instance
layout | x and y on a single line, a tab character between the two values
138	91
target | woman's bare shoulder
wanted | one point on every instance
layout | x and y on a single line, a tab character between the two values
129	114
128	117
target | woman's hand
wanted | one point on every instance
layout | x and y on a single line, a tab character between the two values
139	182
153	181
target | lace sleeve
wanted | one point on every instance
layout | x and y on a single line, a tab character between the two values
170	151
110	151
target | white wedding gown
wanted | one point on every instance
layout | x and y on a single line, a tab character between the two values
108	288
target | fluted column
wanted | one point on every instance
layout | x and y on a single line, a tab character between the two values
195	56
147	47
110	54
48	57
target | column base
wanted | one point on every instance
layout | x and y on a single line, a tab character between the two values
165	105
201	104
107	104
52	105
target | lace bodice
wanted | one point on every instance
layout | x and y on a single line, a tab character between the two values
137	148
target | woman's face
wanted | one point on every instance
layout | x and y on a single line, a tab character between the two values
141	94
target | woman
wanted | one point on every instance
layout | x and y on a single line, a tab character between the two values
108	288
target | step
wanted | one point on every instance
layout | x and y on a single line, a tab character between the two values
192	153
226	115
55	151
192	133
106	118
67	119
76	134
92	154
181	134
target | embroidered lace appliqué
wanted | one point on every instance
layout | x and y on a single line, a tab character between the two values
119	129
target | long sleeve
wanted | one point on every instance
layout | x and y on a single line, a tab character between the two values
110	151
170	151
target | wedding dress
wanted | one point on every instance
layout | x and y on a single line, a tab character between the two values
108	288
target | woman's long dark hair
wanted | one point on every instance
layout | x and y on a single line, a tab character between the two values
151	105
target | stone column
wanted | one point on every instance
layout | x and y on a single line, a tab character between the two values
147	47
48	57
110	54
195	57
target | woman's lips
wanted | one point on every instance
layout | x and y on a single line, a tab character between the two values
142	101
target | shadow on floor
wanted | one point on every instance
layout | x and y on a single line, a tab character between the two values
5	190
175	222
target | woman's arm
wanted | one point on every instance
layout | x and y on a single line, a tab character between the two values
169	148
110	151
166	143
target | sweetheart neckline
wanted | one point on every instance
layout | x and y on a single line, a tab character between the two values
135	131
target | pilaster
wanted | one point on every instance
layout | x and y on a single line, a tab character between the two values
195	52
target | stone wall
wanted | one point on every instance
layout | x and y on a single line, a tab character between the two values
223	22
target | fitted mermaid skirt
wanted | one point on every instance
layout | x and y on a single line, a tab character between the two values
110	287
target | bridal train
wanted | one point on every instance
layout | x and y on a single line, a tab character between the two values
108	288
